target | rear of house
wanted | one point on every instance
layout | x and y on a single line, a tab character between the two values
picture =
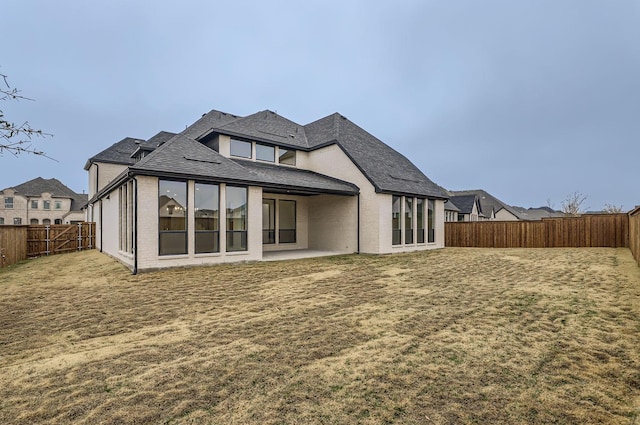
231	188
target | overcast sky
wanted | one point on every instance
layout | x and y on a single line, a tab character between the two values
530	100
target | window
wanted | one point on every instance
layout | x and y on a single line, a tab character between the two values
1	220
125	200
46	221
207	212
396	232
240	149
172	217
265	153
286	156
34	205
431	221
46	205
420	220
33	221
236	207
8	202
268	221
287	221
58	221
408	220
17	220
58	205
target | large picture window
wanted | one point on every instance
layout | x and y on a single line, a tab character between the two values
265	153
420	220
207	215
287	221
240	148
268	221
431	221
395	221
172	217
236	207
408	220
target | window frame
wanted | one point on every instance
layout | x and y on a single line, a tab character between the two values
34	204
286	152
232	234
270	235
9	202
291	231
259	147
46	205
396	220
420	222
166	232
207	234
238	143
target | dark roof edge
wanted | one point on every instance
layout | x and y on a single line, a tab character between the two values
251	138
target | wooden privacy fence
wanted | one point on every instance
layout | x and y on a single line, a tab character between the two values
17	243
591	230
634	233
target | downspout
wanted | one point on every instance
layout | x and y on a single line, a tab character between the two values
358	247
97	177
100	220
135	226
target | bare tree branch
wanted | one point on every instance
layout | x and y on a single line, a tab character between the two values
572	204
16	138
612	209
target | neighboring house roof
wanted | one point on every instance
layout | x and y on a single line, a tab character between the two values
36	187
450	206
487	201
386	169
464	203
537	213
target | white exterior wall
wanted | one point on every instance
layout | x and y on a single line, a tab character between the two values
101	174
332	161
335	223
148	257
302	223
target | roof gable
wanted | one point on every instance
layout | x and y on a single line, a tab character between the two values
267	126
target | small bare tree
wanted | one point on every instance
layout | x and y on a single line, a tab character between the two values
572	204
612	209
16	138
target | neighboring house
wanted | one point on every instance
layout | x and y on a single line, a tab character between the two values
537	213
231	188
468	207
41	201
451	211
491	207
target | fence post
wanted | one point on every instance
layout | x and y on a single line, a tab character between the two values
47	239
79	236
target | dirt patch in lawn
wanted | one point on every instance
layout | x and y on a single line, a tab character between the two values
447	336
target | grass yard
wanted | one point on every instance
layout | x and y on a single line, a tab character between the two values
444	337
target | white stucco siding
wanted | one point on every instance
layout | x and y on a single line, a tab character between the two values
107	228
335	223
105	174
332	161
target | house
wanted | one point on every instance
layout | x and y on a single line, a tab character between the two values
451	211
468	207
539	213
492	208
231	188
41	201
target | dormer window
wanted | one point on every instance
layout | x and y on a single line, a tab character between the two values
240	149
287	157
265	153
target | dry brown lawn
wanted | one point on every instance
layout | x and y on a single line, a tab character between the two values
450	336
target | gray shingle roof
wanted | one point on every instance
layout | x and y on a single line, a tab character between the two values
464	202
183	156
450	206
118	153
386	169
38	186
488	202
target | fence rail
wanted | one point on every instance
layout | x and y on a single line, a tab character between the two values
17	243
592	230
